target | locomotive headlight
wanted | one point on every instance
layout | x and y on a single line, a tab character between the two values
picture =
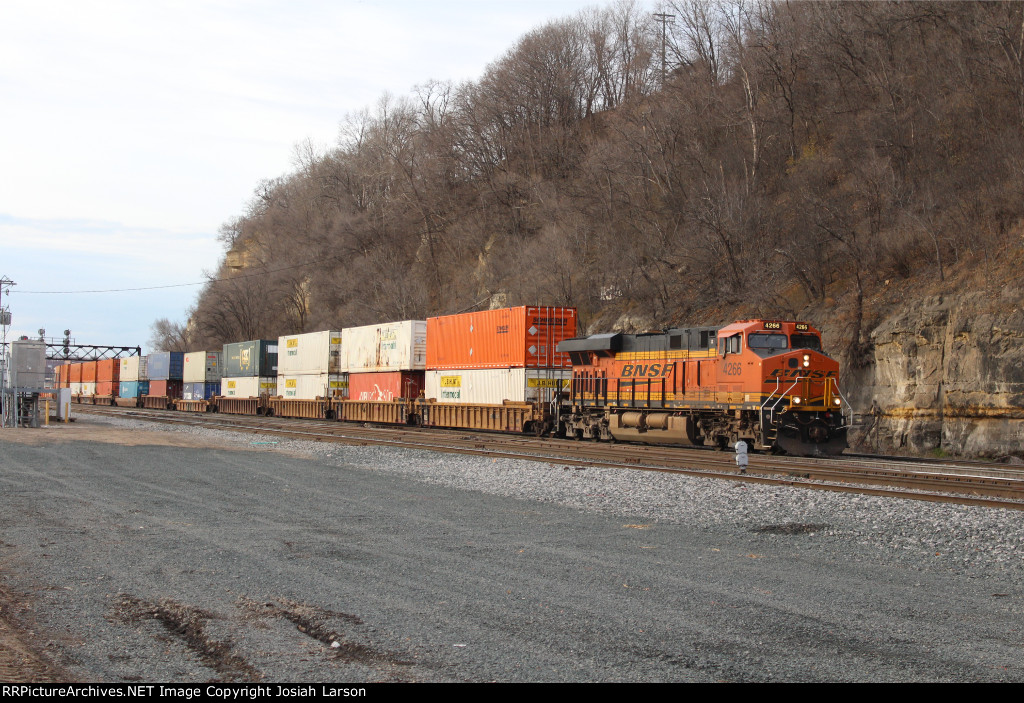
807	359
796	400
837	402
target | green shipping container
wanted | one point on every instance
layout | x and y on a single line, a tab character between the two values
255	358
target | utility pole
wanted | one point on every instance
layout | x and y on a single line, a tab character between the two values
5	322
664	19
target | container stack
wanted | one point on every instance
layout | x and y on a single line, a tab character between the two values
165	371
386	361
250	369
201	375
309	366
108	379
75	379
89	379
494	356
128	378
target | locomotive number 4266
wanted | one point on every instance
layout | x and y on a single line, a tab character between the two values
732	369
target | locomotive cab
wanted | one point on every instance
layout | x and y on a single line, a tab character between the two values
795	384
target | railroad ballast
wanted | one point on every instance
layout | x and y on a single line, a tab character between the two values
766	382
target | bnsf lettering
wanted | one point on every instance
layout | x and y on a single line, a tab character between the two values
795	373
646	371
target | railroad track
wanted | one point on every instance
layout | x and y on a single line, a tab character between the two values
970	483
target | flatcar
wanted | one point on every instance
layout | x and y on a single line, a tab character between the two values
766	382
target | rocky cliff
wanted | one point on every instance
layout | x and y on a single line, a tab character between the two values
946	376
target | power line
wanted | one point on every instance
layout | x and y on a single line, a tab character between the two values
263	272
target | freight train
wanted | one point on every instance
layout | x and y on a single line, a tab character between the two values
766	382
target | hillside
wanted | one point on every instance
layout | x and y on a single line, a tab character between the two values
858	165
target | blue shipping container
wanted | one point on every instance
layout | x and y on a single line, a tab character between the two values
200	391
128	389
166	366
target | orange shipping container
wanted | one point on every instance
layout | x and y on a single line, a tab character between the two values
506	338
107	388
89	372
108	371
75	374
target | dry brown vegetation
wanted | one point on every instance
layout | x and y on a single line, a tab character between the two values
795	158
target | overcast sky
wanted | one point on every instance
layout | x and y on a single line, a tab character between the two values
131	131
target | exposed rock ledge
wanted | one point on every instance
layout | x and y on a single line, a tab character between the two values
946	376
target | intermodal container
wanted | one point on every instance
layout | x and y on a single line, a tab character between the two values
144	368
128	389
392	346
76	387
310	386
110	388
89	372
88	388
201	367
75	373
495	386
129	370
166	366
387	385
108	371
501	339
200	390
169	387
248	386
254	358
311	353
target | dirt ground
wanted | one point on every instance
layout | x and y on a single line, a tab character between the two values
21	657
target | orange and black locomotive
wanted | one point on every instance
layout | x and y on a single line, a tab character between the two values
767	382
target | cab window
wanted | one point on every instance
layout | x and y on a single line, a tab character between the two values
730	345
807	341
767	341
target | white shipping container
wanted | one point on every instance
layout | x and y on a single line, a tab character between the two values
248	386
76	388
494	386
201	367
89	388
129	369
311	386
392	346
311	353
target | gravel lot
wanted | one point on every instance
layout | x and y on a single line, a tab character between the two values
179	554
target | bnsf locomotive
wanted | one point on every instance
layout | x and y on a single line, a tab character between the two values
762	381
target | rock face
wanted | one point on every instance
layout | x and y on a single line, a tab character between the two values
947	375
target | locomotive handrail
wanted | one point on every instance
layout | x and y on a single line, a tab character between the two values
782	396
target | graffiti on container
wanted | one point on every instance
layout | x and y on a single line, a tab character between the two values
377	393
